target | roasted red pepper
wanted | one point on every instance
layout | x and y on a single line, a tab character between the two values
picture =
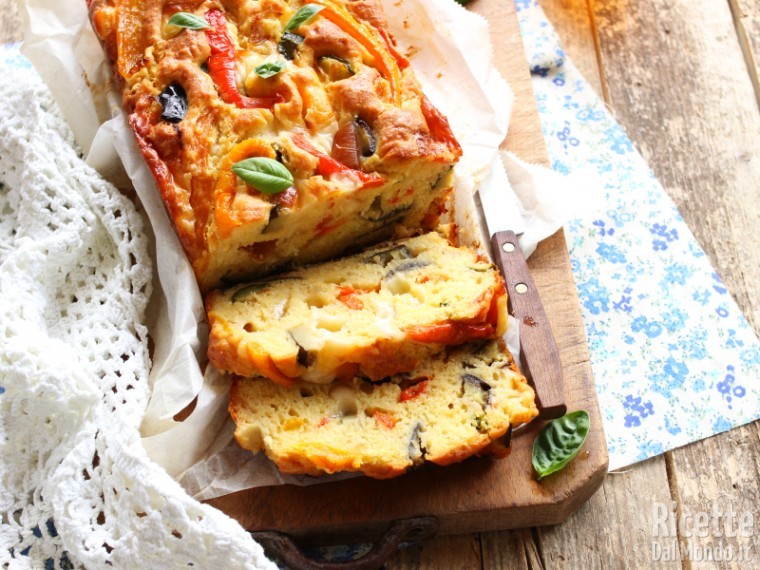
222	67
413	391
402	62
449	333
328	165
384	419
347	296
439	126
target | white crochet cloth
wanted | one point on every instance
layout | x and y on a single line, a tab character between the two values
76	486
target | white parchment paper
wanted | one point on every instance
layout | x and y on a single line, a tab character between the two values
451	54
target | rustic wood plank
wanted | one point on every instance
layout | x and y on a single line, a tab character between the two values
714	476
441	553
622	514
696	121
613	529
10	23
679	84
573	21
746	14
507	549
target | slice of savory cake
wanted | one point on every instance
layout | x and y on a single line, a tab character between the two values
278	132
444	411
373	314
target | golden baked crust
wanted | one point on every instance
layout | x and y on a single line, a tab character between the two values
374	314
446	410
346	116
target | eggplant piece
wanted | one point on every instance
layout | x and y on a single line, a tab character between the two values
257	286
406	266
416	450
353	142
366	139
375	212
335	68
288	44
475	381
478	383
385	256
173	101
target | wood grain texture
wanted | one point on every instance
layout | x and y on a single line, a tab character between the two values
538	350
461	551
10	22
679	84
746	14
574	23
728	466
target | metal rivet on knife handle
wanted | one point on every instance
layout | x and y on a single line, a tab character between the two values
508	246
539	355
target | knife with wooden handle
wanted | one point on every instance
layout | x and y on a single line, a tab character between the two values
539	357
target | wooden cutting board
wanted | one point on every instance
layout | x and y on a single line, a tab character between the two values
478	494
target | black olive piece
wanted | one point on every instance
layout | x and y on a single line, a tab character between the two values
385	216
288	45
173	101
476	381
242	293
336	68
304	358
406	266
385	256
365	137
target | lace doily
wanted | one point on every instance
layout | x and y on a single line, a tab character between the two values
76	487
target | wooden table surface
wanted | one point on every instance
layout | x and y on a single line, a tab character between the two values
682	78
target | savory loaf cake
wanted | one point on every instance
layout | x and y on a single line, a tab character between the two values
444	411
278	132
373	314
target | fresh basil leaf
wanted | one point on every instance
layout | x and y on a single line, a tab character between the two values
463	2
304	14
559	442
189	21
264	174
269	69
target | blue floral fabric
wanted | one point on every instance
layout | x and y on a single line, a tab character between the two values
674	360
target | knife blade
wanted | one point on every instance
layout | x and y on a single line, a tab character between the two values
539	356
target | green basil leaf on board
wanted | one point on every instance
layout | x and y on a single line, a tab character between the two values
559	442
189	21
269	69
304	14
264	174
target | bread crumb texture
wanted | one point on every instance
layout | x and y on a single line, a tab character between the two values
374	314
343	112
444	411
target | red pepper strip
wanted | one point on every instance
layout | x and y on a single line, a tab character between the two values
347	296
129	37
403	63
328	165
413	391
222	67
449	333
384	419
439	126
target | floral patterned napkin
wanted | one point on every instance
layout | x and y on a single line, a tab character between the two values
674	360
